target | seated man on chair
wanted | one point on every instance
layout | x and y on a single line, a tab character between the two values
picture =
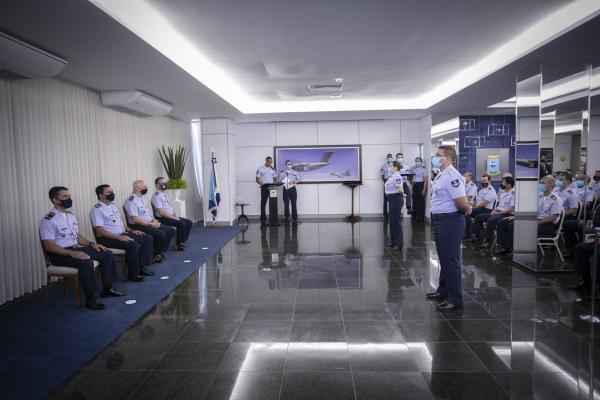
163	211
66	247
570	200
584	253
505	208
484	206
106	221
549	207
139	218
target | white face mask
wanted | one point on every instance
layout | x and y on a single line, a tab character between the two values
288	166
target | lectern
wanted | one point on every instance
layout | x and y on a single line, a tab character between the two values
272	188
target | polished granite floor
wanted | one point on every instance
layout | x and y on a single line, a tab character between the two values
323	311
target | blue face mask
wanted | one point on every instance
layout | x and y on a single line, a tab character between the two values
435	160
541	187
400	160
390	159
559	184
579	183
390	170
418	163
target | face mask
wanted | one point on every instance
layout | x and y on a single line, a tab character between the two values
390	159
597	178
418	163
110	196
485	184
559	184
144	191
390	170
541	187
67	203
502	186
435	160
288	166
400	160
163	186
579	183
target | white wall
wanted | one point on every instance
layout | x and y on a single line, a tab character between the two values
593	151
562	152
55	133
254	141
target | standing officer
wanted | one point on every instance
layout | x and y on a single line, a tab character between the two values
290	179
405	170
67	247
549	207
449	205
420	185
384	177
395	195
164	213
139	218
486	198
470	188
265	174
106	221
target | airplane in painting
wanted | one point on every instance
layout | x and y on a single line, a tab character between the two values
300	167
341	175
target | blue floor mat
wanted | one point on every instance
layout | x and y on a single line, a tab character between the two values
42	345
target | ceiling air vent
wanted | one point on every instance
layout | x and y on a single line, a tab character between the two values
334	89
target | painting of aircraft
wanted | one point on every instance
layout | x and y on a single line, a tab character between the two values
341	175
307	166
321	164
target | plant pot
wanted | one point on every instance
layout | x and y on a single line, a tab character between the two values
177	203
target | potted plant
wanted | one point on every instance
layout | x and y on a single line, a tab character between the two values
173	160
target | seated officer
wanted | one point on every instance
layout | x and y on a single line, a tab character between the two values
585	192
163	211
505	208
549	207
504	235
486	198
584	253
67	247
106	221
568	196
138	217
470	188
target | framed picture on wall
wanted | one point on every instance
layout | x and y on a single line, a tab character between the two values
526	160
322	164
493	161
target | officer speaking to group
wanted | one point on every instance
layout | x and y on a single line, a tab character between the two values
449	205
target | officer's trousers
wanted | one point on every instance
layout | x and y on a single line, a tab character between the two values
290	196
584	253
477	212
385	202
504	233
183	225
396	201
492	223
138	252
407	192
161	236
546	229
418	201
86	274
447	232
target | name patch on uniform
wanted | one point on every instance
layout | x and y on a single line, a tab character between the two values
455	183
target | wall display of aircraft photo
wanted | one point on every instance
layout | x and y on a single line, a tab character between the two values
322	164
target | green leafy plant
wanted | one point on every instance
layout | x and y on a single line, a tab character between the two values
173	160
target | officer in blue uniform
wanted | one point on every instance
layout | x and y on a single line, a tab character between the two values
568	195
265	174
449	205
290	179
420	186
406	186
484	205
549	207
395	196
141	219
384	177
505	208
106	221
164	213
67	247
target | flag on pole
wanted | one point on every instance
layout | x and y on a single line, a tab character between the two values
214	197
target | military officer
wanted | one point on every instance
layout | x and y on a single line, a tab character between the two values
505	208
486	197
470	188
164	213
568	196
140	218
265	174
384	177
596	183
290	179
395	194
106	221
449	205
67	247
406	185
584	191
549	207
420	185
504	234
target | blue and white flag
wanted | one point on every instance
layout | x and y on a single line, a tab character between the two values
214	196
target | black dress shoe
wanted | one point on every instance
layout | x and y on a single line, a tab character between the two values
135	278
146	272
182	244
434	296
112	292
578	286
448	307
158	259
94	305
180	248
389	245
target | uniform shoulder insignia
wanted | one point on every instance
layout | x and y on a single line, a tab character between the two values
156	193
69	212
130	198
570	191
553	197
50	215
98	205
455	183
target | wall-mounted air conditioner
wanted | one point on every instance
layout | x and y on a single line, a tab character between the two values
135	102
23	60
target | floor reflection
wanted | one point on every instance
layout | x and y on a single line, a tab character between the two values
323	310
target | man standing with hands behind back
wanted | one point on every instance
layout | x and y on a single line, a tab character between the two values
265	174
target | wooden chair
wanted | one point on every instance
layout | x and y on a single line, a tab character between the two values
66	273
553	240
119	254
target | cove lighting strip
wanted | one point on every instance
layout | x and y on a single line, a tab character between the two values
444	128
144	21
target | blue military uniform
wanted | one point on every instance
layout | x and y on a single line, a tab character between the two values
420	175
138	252
385	175
396	201
570	200
265	175
481	214
406	187
290	177
448	227
506	201
548	205
62	229
159	201
135	206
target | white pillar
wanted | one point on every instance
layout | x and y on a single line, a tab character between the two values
425	139
217	135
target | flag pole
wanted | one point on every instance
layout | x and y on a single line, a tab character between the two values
213	161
